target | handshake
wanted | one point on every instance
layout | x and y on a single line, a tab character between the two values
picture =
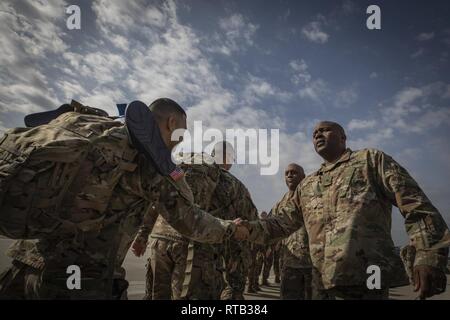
242	231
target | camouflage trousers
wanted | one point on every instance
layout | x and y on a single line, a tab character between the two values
206	283
166	267
237	258
296	283
235	281
271	258
21	281
18	282
166	271
255	267
207	277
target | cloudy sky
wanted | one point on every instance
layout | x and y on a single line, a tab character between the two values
248	64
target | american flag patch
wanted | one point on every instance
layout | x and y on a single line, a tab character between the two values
177	174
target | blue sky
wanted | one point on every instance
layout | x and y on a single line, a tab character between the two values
249	64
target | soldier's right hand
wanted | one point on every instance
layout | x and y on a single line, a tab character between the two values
139	247
242	232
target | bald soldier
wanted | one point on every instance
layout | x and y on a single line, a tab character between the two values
39	269
296	273
346	206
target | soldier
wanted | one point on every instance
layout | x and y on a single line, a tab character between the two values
204	272
99	225
169	249
296	274
346	206
232	200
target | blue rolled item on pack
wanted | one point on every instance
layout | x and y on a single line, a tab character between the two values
121	108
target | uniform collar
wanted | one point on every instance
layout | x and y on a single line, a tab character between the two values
328	167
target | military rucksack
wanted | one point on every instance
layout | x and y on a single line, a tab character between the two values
43	168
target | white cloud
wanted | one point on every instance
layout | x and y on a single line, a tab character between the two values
318	90
419	52
373	75
356	124
346	97
29	32
315	90
236	35
313	32
425	36
372	140
301	73
257	88
407	96
416	109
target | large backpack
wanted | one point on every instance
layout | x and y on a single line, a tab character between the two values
43	168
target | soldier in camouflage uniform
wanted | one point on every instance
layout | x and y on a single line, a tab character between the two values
39	267
205	269
296	274
233	201
346	207
169	249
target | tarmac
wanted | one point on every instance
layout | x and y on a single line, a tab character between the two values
135	268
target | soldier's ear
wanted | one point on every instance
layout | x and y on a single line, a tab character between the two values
172	123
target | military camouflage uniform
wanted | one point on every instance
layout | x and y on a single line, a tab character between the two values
346	207
255	268
296	274
167	262
205	278
408	255
271	258
232	200
95	250
169	250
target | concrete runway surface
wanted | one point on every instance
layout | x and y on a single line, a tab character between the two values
135	268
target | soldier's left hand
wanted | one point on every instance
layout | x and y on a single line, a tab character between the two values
139	247
429	281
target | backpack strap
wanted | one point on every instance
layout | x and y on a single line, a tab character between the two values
41	118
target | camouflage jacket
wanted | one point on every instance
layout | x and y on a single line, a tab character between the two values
346	207
295	248
228	199
95	251
232	200
202	179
